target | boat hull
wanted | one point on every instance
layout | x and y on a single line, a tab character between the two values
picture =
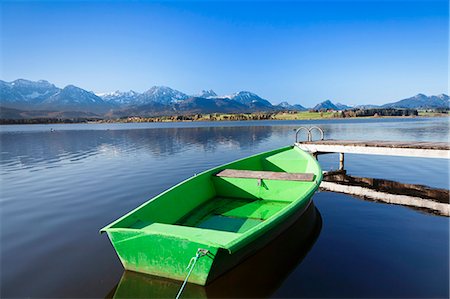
258	276
242	216
169	257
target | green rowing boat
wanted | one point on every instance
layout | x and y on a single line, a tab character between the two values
214	220
259	276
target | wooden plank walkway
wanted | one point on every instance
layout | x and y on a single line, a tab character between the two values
389	148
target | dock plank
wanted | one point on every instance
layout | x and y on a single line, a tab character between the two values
380	143
424	149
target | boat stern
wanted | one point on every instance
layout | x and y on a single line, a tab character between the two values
166	255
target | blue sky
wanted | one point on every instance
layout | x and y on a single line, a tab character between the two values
297	51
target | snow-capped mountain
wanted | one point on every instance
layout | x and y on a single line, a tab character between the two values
75	98
248	98
421	101
206	94
284	105
36	91
442	97
41	95
119	97
156	94
287	106
161	94
24	92
329	105
71	95
325	105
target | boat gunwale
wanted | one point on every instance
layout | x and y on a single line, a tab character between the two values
256	231
140	232
215	169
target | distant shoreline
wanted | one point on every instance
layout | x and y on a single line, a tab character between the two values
215	117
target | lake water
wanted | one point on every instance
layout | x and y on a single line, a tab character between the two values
60	186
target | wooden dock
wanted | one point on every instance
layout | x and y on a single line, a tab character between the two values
417	196
433	200
389	148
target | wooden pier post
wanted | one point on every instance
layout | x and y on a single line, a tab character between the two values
341	161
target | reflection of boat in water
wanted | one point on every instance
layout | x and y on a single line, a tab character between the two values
424	198
258	276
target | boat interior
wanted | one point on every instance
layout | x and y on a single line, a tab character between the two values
229	202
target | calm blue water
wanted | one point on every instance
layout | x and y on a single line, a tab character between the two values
59	188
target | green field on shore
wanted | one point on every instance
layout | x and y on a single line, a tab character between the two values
281	115
301	115
233	117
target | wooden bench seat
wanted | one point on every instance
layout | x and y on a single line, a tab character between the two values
267	175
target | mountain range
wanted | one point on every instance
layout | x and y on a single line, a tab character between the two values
25	95
328	105
421	101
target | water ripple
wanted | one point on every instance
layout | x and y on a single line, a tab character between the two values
59	188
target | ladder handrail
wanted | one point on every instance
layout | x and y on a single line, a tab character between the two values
309	134
298	131
317	128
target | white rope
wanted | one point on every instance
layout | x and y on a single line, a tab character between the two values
190	267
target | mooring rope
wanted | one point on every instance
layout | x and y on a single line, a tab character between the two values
200	252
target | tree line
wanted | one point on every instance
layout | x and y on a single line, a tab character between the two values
46	120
